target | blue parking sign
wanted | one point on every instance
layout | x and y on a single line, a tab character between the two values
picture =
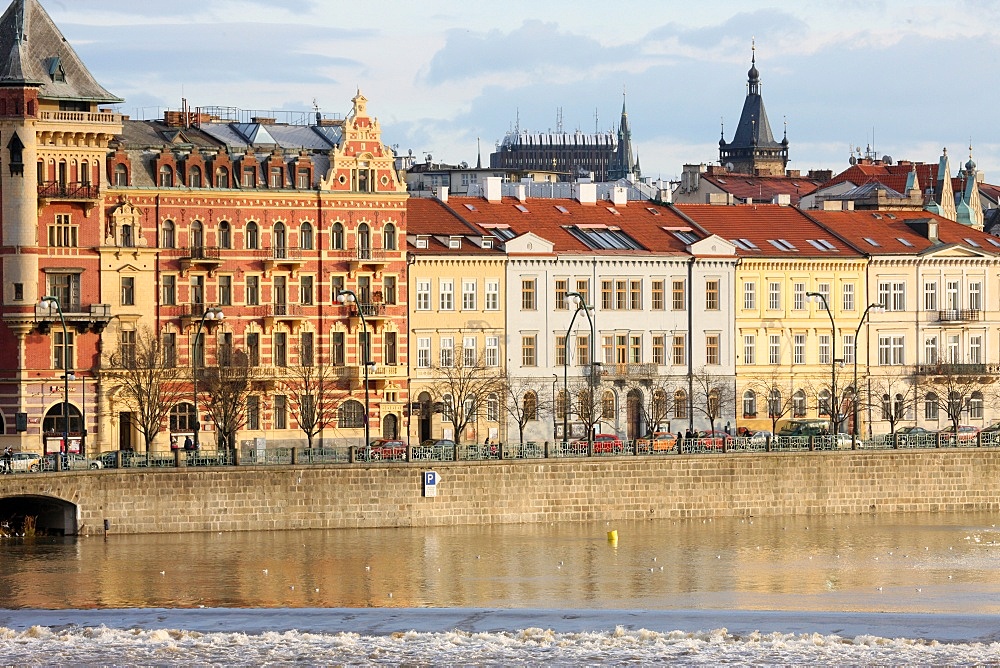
430	477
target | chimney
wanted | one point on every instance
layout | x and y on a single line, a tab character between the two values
585	193
925	227
520	192
442	193
619	196
782	199
719	199
491	189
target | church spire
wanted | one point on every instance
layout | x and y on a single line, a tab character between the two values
623	162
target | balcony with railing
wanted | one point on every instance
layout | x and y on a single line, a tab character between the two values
627	372
68	190
365	256
371	310
80	117
960	315
201	256
953	370
284	256
81	317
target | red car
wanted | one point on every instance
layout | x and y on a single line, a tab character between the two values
383	449
966	434
604	444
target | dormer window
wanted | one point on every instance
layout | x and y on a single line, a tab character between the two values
56	71
421	242
454	242
487	242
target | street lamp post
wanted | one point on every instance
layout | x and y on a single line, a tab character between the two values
49	302
212	314
878	308
821	298
349	297
581	305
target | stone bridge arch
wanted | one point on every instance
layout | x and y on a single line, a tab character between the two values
53	516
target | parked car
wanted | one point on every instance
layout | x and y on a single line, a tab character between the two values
713	439
25	462
992	429
966	434
911	430
109	460
440	449
383	449
658	441
71	462
604	444
761	436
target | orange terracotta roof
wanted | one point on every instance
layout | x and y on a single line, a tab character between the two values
768	230
762	188
893	234
434	220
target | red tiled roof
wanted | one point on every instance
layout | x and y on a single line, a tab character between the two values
762	187
888	228
766	227
430	217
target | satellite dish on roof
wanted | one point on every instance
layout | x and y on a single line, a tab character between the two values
730	166
887	159
853	161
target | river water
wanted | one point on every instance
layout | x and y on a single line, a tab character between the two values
900	589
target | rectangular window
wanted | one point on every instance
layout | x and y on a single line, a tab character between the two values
447	351
65	288
847	297
659	349
423	352
306	290
253	412
824	289
339	349
390	353
128	290
678	296
63	233
621	349
824	349
492	356
365	347
169	349
169	290
469	351
561	290
493	295
975	350
774	296
952	301
799	296
749	349
280	412
892	295
389	290
58	348
528	301
711	349
848	354
226	290
253	348
680	349
249	177
890	350
635	295
276	177
423	295
302	179
975	296
607	295
799	349
306	349
931	350
749	296
712	295
126	347
635	349
528	352
253	290
468	295
608	349
774	349
280	349
583	287
560	350
930	296
620	295
954	356
659	299
583	349
446	300
336	286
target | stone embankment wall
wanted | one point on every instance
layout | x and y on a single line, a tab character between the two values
391	495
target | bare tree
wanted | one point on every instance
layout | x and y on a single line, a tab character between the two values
777	393
310	390
659	405
956	388
715	395
228	386
462	387
149	379
893	393
586	402
523	400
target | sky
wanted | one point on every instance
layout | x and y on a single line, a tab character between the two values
444	77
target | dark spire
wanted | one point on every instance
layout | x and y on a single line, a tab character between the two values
623	162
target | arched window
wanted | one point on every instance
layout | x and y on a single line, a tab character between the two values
886	407
493	408
530	406
561	405
197	235
714	406
389	237
351	415
824	403
168	238
306	236
976	405
680	404
954	404
608	405
53	423
447	410
194	177
774	403
121	175
278	240
182	418
749	404
364	242
931	406
166	176
585	407
225	235
471	407
337	236
85	173
221	177
659	405
253	235
897	407
799	404
127	237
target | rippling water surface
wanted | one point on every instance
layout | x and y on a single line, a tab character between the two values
846	589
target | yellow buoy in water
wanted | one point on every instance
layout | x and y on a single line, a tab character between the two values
613	536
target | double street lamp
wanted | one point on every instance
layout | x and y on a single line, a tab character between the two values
581	305
877	308
349	297
212	314
49	303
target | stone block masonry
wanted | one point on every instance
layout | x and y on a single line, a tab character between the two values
391	495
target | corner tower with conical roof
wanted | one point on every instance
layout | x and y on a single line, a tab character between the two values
753	149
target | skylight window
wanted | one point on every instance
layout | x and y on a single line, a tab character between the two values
877	216
687	236
503	233
613	210
521	208
742	244
470	207
603	238
871	241
561	209
904	242
749	244
826	244
815	244
782	244
972	243
993	241
653	210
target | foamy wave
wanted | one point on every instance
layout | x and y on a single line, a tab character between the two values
529	645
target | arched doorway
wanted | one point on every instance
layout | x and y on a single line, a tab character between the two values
53	427
426	411
634	427
390	426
